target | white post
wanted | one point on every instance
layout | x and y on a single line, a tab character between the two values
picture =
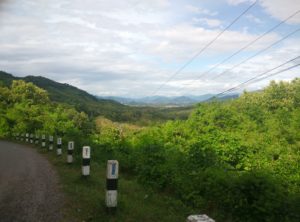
86	158
22	137
70	152
27	137
199	218
112	175
50	142
31	138
36	139
58	148
43	140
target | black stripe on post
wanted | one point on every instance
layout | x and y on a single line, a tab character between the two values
86	162
111	184
58	146
70	152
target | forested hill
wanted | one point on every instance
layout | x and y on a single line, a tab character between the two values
83	101
59	92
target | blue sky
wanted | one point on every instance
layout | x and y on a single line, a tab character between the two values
131	48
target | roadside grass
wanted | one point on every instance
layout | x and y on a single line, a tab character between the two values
85	196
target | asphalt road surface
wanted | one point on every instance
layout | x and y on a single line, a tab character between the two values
29	188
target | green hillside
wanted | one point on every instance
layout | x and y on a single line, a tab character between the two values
235	160
83	101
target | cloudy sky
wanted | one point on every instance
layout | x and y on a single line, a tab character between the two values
132	48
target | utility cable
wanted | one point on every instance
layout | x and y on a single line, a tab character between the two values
203	49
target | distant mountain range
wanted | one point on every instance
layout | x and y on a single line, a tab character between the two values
143	110
166	101
93	106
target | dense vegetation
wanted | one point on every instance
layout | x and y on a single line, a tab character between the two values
236	160
92	106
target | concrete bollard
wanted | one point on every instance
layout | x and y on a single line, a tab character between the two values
22	137
27	137
43	141
199	218
37	139
31	138
50	142
86	159
70	152
112	175
58	148
17	136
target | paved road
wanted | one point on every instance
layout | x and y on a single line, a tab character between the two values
29	189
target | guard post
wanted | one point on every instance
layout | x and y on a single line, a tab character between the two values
199	218
31	138
50	142
27	137
86	159
112	175
58	148
70	152
37	139
43	141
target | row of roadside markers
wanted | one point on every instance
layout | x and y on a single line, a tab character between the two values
112	173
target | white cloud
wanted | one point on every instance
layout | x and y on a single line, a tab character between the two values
279	9
112	47
252	68
282	9
237	2
202	11
209	22
253	18
186	40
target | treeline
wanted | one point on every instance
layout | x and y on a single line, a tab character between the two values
235	160
26	108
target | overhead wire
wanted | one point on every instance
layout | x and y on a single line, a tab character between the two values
253	56
256	78
204	48
274	74
243	48
256	54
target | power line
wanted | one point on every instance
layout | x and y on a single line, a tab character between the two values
256	54
263	50
274	74
246	46
257	80
261	75
203	49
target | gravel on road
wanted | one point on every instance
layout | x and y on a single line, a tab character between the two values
29	187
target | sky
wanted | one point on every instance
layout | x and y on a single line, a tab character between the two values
134	48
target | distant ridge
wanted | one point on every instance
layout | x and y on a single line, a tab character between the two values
174	101
93	106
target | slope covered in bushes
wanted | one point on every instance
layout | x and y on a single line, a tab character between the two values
236	160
